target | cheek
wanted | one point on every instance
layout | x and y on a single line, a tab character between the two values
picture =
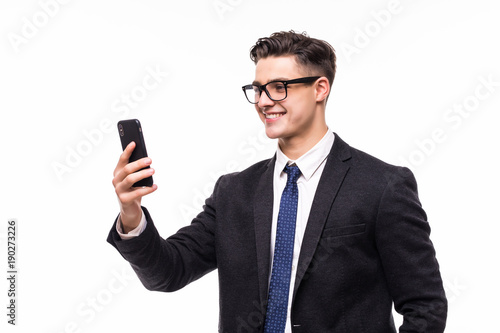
300	113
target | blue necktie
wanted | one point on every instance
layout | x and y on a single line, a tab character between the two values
283	252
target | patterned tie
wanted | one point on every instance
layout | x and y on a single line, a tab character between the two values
283	252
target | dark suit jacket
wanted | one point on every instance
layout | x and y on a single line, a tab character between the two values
366	246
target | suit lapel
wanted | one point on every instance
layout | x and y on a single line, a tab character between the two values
330	182
263	215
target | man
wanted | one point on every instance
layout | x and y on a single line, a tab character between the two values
320	238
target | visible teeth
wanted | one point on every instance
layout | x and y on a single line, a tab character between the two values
273	115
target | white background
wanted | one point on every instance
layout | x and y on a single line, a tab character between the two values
399	78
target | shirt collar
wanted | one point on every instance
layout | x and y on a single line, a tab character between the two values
310	161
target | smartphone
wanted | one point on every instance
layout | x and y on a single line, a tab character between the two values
131	130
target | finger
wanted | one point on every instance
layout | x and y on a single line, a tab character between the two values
131	168
136	193
124	190
125	156
133	178
126	184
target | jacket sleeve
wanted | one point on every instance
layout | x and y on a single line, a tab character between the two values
170	264
408	256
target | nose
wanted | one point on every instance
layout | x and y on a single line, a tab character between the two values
264	100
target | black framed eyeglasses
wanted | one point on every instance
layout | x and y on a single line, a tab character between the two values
275	90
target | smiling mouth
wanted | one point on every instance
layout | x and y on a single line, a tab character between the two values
274	115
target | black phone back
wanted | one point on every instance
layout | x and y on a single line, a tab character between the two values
131	130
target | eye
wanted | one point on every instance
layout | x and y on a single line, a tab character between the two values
278	87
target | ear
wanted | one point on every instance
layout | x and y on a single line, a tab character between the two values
322	89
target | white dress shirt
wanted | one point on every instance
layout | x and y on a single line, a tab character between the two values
311	166
133	233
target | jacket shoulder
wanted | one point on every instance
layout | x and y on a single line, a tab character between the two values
358	158
249	173
367	169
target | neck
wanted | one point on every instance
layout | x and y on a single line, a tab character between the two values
295	147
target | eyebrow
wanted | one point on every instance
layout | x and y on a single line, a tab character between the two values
257	83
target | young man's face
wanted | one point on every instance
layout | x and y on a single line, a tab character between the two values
295	117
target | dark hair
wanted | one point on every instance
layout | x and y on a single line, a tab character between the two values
314	54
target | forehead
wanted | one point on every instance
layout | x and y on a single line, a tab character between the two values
277	68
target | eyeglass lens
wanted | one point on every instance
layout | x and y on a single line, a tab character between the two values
276	91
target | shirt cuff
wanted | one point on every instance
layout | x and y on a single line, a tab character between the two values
133	233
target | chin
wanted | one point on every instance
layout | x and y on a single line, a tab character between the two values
273	133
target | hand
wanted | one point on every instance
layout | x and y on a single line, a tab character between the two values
125	175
